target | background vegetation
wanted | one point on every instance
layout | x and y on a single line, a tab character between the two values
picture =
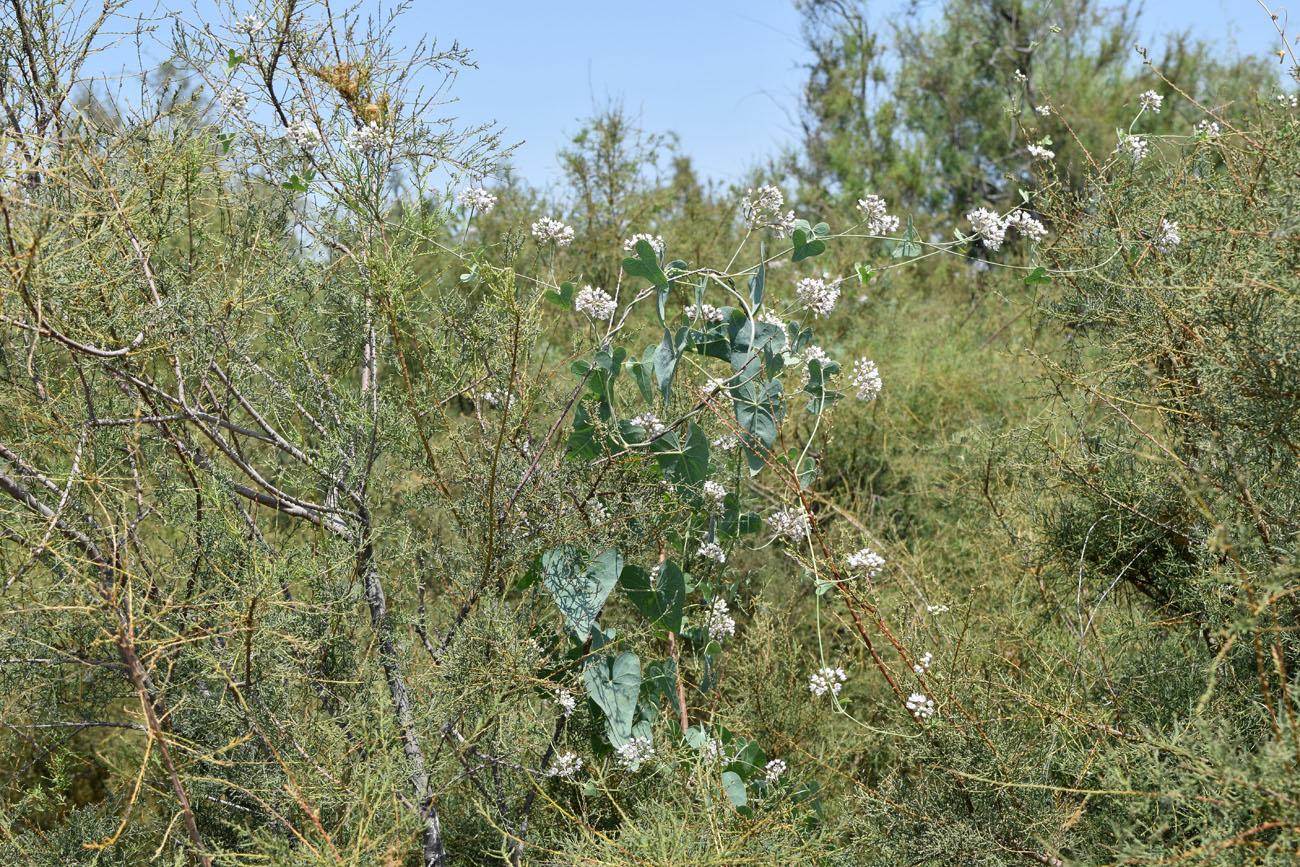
334	531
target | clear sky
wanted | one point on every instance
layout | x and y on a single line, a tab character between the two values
723	74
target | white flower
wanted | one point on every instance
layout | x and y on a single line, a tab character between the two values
704	311
1166	238
1041	153
1288	100
873	212
714	495
1020	76
1134	146
476	199
989	226
936	609
1043	110
599	514
248	25
713	749
650	423
718	621
832	679
762	208
567	702
713	385
566	765
712	551
654	240
923	664
1026	225
790	523
726	442
868	561
233	99
546	229
368	139
633	753
596	303
1150	101
1208	129
770	318
920	706
814	294
866	379
302	135
773	771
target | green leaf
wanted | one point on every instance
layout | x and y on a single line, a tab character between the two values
821	230
564	297
642	373
864	273
1038	277
225	140
819	396
614	685
665	359
663	600
580	589
757	415
646	265
804	248
758	278
907	246
233	59
750	759
685	463
295	183
734	786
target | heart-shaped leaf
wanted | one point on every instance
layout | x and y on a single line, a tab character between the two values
580	589
1038	277
907	246
805	248
564	297
233	59
646	264
614	685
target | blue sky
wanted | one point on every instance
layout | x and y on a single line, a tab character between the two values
723	74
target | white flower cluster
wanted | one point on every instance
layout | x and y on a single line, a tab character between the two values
866	560
770	318
704	311
547	229
762	209
873	212
654	240
714	496
1166	238
726	442
368	139
1019	76
713	749
920	706
818	297
595	302
476	199
936	609
1026	225
1039	152
635	752
712	551
650	423
1288	100
302	135
567	701
827	679
1134	146
993	227
1043	110
599	514
790	523
566	765
773	770
866	379
1208	129
923	664
718	622
233	99
248	25
1150	101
